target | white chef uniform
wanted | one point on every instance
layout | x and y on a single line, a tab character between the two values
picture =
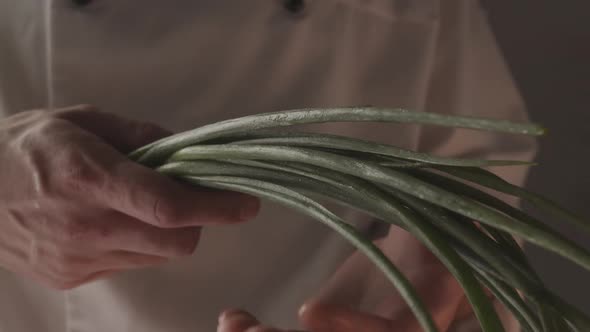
182	64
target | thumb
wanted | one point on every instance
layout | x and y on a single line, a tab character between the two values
323	317
158	200
122	133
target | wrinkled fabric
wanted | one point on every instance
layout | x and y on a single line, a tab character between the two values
189	63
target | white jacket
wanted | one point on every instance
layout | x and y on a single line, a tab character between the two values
182	64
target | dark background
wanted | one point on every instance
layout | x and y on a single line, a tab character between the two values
547	46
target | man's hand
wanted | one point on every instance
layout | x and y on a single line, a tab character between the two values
73	208
358	279
318	317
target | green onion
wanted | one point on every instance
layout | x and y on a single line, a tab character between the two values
357	145
437	199
159	150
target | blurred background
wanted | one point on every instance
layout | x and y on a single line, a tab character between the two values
547	46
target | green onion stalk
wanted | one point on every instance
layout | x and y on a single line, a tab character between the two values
437	199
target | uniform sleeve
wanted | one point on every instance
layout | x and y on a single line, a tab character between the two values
468	77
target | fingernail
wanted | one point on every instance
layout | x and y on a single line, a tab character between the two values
223	316
249	209
303	310
229	312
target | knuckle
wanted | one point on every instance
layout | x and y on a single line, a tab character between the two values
47	126
73	230
53	125
52	151
164	214
77	171
76	167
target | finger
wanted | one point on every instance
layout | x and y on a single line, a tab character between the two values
322	317
124	260
262	328
95	277
141	192
53	282
116	231
122	133
158	200
73	268
234	320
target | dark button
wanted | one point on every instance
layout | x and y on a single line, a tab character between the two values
294	6
82	3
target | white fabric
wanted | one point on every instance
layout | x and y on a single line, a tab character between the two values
186	63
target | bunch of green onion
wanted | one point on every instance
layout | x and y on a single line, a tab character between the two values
434	198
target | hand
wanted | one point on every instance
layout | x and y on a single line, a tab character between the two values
360	284
73	208
358	280
318	317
